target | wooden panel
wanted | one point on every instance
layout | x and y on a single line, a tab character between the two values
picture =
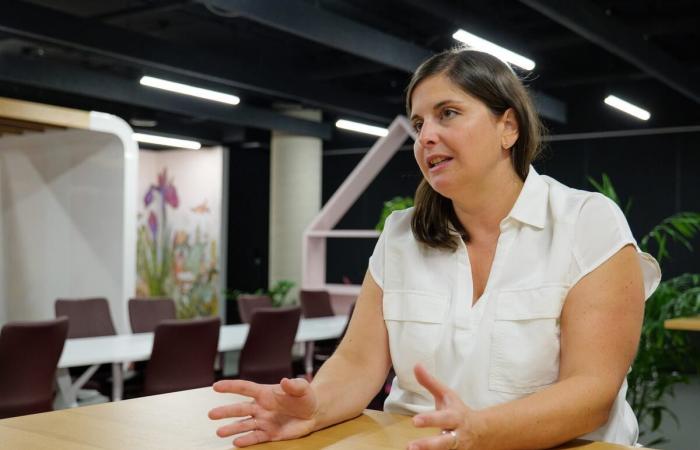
5	129
38	113
683	323
26	125
179	421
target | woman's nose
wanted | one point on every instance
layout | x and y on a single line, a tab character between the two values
428	135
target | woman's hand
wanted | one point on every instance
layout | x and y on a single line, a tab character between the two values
462	427
277	412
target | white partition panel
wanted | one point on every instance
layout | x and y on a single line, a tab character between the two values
68	201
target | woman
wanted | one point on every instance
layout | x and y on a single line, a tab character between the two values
509	305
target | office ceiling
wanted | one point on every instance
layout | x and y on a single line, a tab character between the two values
349	58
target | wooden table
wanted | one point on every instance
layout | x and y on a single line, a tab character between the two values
683	323
179	421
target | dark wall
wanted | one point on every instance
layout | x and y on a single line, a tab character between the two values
658	172
248	222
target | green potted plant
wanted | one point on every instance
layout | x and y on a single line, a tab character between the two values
278	292
395	204
665	358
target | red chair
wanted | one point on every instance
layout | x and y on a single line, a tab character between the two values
248	303
318	304
29	354
89	317
183	355
315	303
146	313
267	353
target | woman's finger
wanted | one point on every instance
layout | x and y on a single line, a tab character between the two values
296	387
241	387
252	438
237	427
432	384
446	419
440	442
233	410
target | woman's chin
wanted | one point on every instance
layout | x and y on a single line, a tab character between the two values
443	187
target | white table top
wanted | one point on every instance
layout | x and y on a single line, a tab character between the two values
137	347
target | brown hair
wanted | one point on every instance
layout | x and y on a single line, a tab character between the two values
494	83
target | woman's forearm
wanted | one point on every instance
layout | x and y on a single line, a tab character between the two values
344	386
564	411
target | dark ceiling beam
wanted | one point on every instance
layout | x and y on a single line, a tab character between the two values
309	22
151	8
50	26
459	17
342	69
660	27
70	79
590	22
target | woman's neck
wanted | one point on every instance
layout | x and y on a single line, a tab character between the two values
481	209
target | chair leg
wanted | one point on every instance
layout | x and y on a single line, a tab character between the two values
309	360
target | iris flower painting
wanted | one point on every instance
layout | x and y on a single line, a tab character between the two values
180	264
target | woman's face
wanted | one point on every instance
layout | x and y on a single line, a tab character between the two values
460	141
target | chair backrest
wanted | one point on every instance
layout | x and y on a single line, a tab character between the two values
29	354
247	304
266	356
87	317
183	355
316	303
146	313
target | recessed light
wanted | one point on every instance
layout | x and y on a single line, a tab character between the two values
186	89
361	127
481	44
166	141
625	106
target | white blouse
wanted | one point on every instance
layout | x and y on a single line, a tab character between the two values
506	346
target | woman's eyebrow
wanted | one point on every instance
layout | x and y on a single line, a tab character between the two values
439	105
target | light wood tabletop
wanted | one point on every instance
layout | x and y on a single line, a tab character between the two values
683	324
179	421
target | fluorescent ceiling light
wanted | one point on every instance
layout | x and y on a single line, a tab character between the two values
629	108
485	46
361	128
190	90
166	141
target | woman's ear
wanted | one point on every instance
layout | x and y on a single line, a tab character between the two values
510	129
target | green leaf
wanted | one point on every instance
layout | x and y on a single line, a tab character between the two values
395	204
664	357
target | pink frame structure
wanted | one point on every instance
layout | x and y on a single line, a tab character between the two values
321	227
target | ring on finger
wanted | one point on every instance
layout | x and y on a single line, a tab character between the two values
455	440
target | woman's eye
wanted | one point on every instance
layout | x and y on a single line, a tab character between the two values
417	126
448	113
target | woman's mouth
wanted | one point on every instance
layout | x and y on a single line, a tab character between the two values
438	161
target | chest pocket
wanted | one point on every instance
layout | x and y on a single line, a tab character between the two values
525	340
415	324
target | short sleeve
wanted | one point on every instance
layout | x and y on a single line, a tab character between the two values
376	261
601	231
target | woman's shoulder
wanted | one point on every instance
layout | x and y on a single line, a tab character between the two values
569	204
399	221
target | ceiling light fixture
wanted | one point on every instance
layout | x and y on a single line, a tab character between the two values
166	141
625	106
499	52
189	90
361	128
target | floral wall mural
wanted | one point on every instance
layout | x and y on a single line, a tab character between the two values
179	227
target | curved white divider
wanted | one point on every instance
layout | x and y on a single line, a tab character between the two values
68	211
